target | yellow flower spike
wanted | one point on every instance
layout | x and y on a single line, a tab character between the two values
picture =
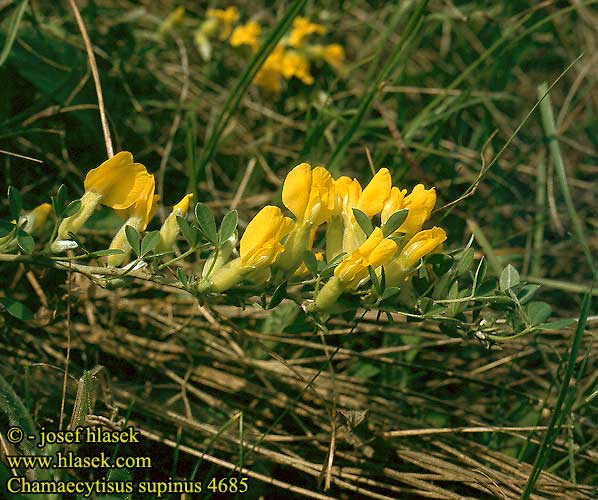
258	249
420	203
117	183
170	229
246	34
302	28
226	18
420	245
296	65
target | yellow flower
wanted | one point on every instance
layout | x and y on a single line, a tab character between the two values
260	243
170	229
350	195
333	54
246	34
117	183
258	249
420	245
374	252
308	195
270	74
303	27
138	216
225	17
296	65
35	220
420	203
144	207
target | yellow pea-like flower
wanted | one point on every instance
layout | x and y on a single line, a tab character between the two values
36	219
419	246
246	34
333	54
302	28
349	195
269	76
374	252
308	194
258	249
296	65
420	203
260	243
138	216
225	17
170	229
117	183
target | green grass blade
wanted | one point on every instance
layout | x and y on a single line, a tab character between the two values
400	54
560	408
549	125
240	89
14	409
13	27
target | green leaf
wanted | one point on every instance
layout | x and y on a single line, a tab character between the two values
182	276
441	263
105	253
394	222
364	221
375	280
189	233
538	312
508	278
133	238
228	226
15	202
72	208
557	325
391	291
310	262
465	262
150	242
527	292
207	222
16	309
25	241
6	227
59	201
279	294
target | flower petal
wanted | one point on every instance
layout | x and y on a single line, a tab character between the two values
296	190
375	193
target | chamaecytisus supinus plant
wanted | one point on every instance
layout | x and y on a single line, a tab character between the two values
344	248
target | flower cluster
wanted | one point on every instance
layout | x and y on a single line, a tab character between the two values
275	243
360	235
291	58
128	188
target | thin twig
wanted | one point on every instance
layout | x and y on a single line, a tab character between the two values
96	77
